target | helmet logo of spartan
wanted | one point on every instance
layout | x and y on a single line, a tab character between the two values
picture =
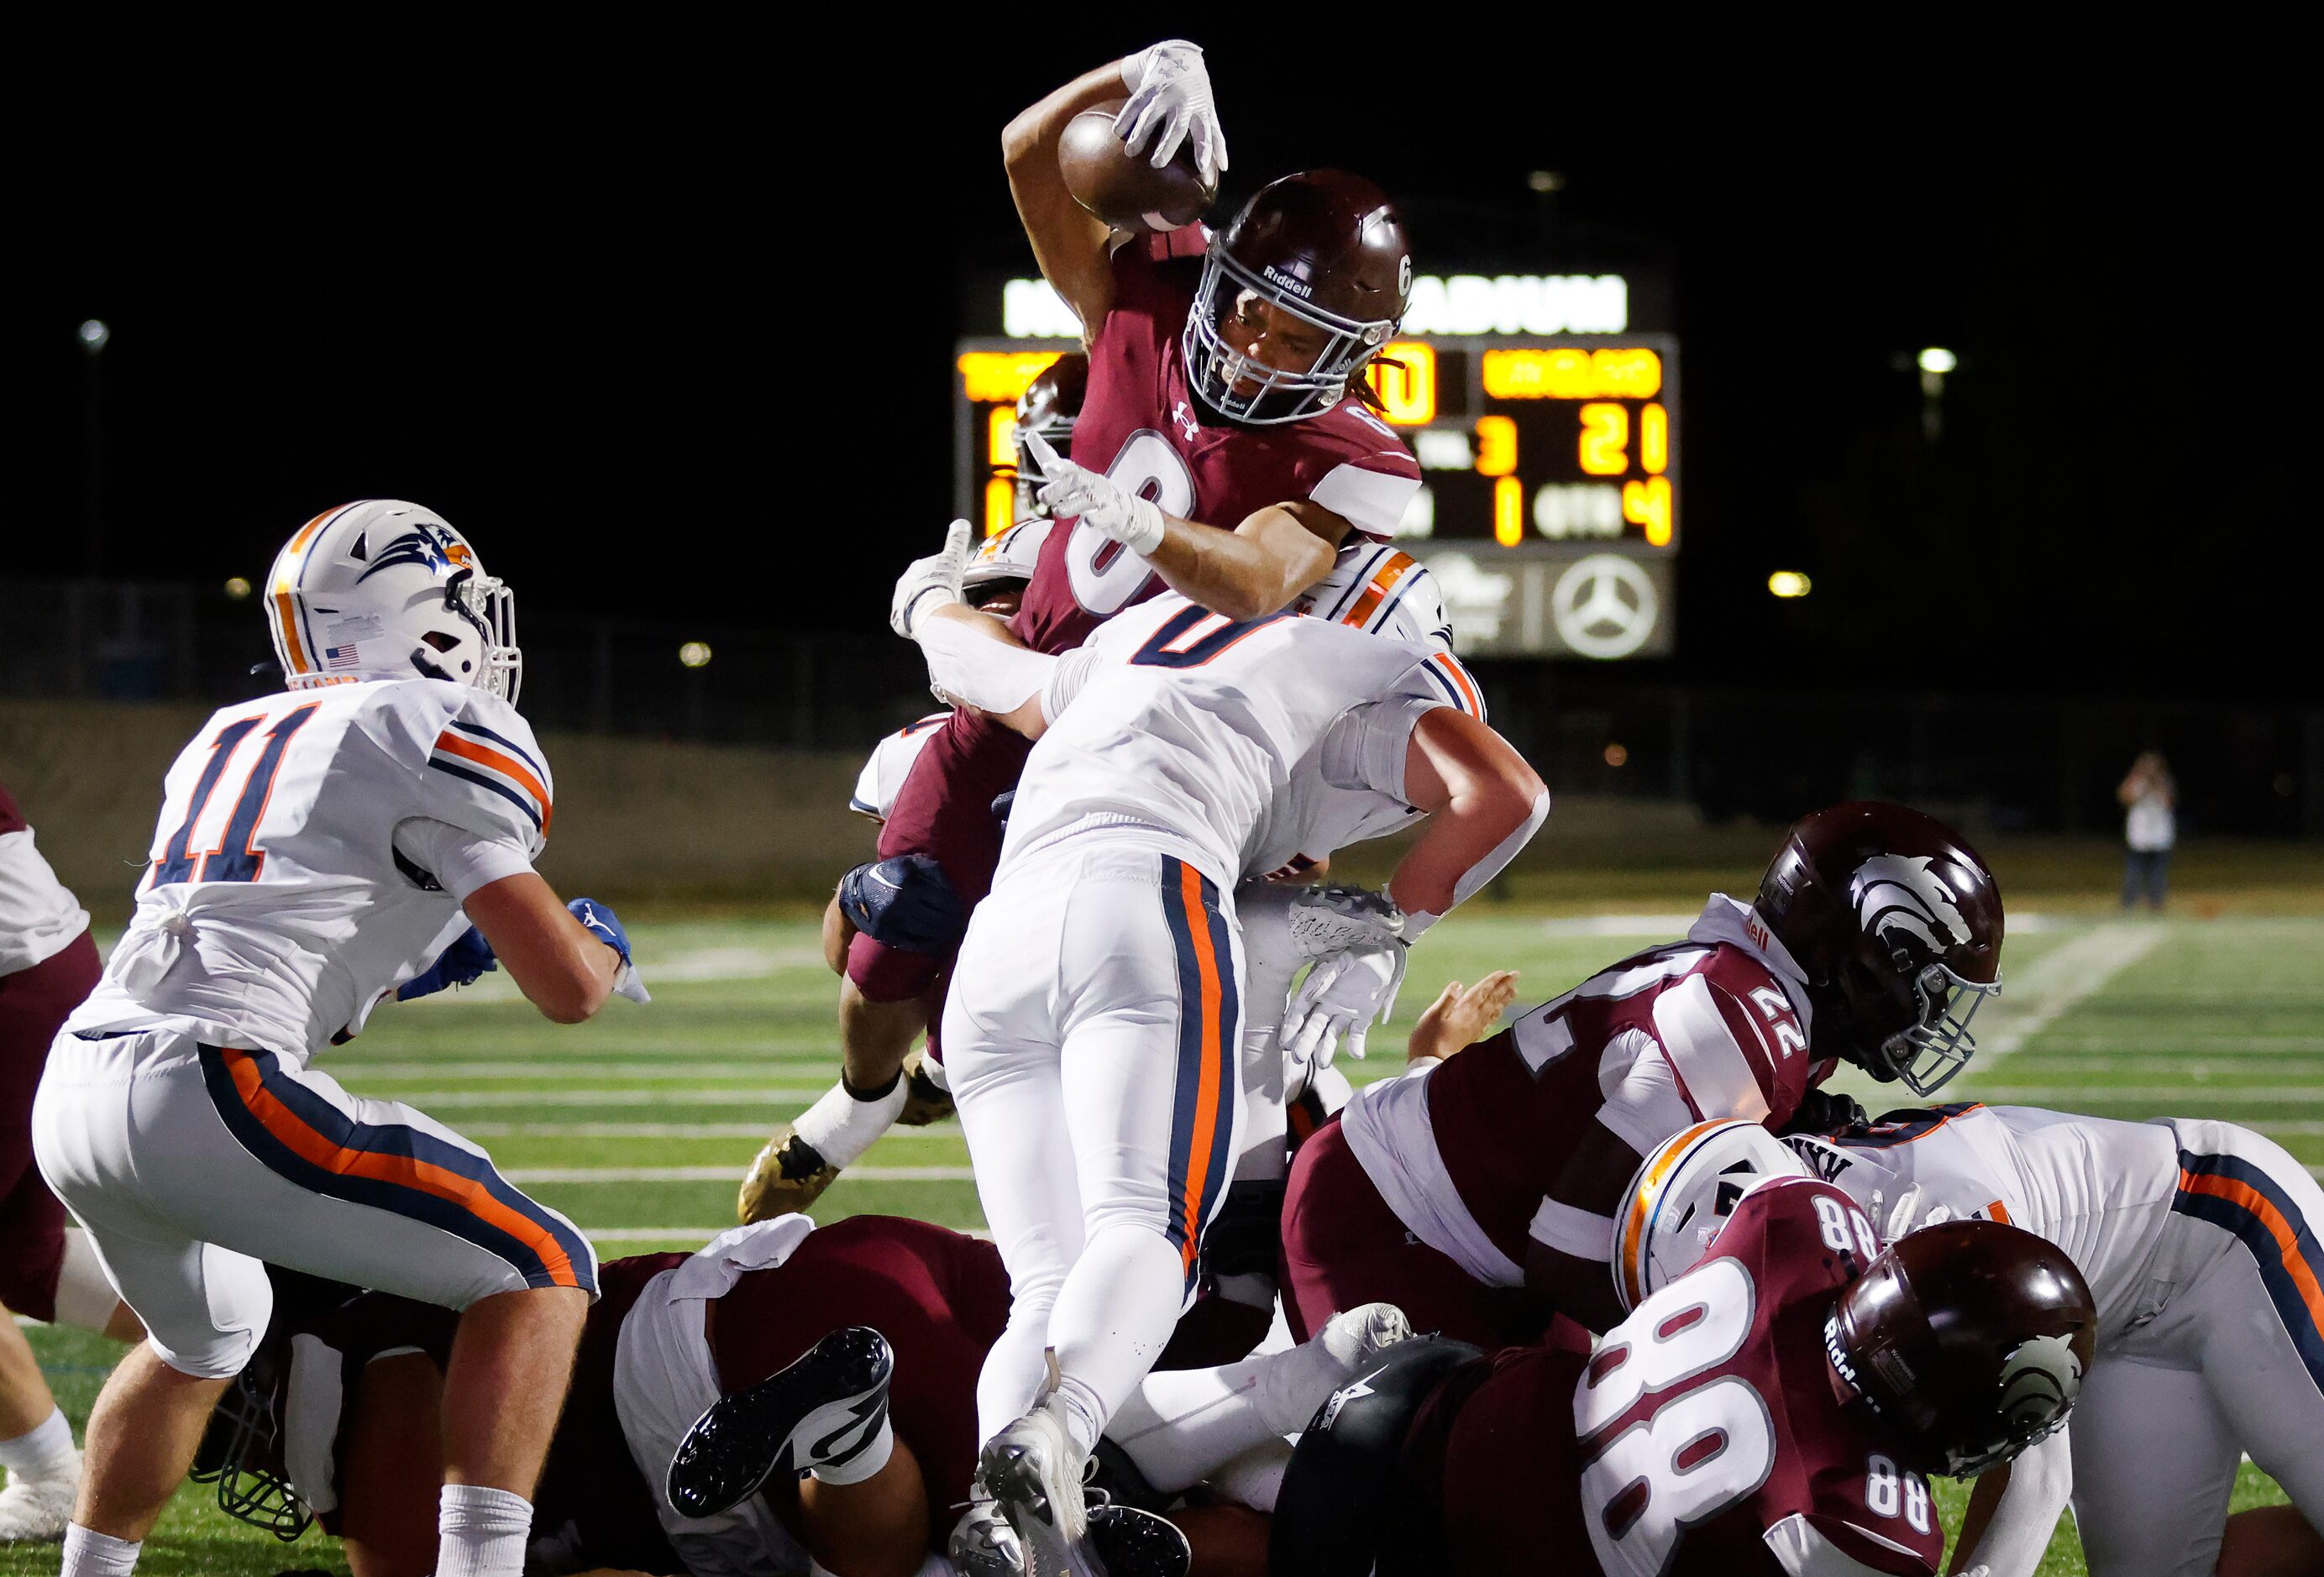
2039	1381
1905	891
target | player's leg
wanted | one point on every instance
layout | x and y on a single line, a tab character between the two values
1152	1074
2155	1464
2257	1314
943	830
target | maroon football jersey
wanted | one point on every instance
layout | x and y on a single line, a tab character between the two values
1705	1436
1142	426
1714	1026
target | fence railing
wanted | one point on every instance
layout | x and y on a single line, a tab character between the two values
2033	763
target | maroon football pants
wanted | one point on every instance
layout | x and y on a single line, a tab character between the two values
1344	1247
944	810
33	1003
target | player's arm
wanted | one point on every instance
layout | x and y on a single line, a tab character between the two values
2014	1510
1570	1251
1068	241
1484	805
564	966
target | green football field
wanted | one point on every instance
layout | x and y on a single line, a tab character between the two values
639	1124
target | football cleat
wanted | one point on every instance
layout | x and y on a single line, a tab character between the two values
35	1511
1134	1543
820	1412
788	1174
927	1101
984	1545
1033	1472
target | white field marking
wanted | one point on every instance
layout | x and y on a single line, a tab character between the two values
552	1067
687	1234
2253	1045
2058	979
2268	1064
1671	926
2299	1129
557	1097
524	1175
699	963
2040	1094
665	1130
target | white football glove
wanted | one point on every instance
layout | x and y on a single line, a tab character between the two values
1171	92
1073	492
927	583
1332	919
1337	1003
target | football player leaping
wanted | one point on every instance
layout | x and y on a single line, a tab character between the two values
1221	451
315	851
2199	1241
1093	1034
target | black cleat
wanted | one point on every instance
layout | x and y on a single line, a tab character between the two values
1133	1543
821	1411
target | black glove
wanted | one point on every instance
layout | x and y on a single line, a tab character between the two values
1825	1111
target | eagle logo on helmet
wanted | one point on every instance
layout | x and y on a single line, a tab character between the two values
1904	891
428	546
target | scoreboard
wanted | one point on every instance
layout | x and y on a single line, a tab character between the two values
1549	508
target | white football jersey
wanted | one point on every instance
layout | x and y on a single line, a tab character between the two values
277	908
883	776
1177	718
2099	1189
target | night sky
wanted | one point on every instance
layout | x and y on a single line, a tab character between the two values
647	316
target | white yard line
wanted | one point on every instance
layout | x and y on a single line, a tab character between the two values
563	1068
2044	1095
699	963
554	1097
685	1234
2053	983
528	1175
665	1130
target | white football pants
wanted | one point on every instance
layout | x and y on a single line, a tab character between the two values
1090	1040
2232	1361
191	1165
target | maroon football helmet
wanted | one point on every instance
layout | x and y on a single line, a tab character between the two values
1898	924
1969	1339
1050	406
1325	246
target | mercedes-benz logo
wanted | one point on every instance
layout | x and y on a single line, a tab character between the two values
1605	605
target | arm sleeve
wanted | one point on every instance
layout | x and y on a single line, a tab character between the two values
1072	672
1715	1050
1646	1108
1369	499
486	775
460	861
2040	1482
991	676
1366	746
1803	1547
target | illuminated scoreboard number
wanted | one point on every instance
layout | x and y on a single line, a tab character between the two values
1538	441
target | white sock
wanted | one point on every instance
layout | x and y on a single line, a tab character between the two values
843	1125
864	1463
481	1532
45	1451
1181	1425
1115	1315
98	1554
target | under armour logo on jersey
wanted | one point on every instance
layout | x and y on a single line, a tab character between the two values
1904	890
1187	422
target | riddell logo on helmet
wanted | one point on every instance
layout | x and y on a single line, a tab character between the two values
1298	287
1904	890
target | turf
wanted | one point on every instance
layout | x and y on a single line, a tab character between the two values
638	1124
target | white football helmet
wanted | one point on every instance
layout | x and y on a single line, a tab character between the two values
1007	556
1684	1194
1383	590
382	589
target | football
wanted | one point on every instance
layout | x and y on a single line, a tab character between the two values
1121	187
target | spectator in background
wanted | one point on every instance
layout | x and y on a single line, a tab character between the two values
2151	828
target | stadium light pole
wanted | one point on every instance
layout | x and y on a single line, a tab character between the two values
94	336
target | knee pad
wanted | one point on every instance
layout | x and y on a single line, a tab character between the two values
1338	1513
906	903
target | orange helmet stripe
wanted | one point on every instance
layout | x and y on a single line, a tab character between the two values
1383	581
1642	1205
